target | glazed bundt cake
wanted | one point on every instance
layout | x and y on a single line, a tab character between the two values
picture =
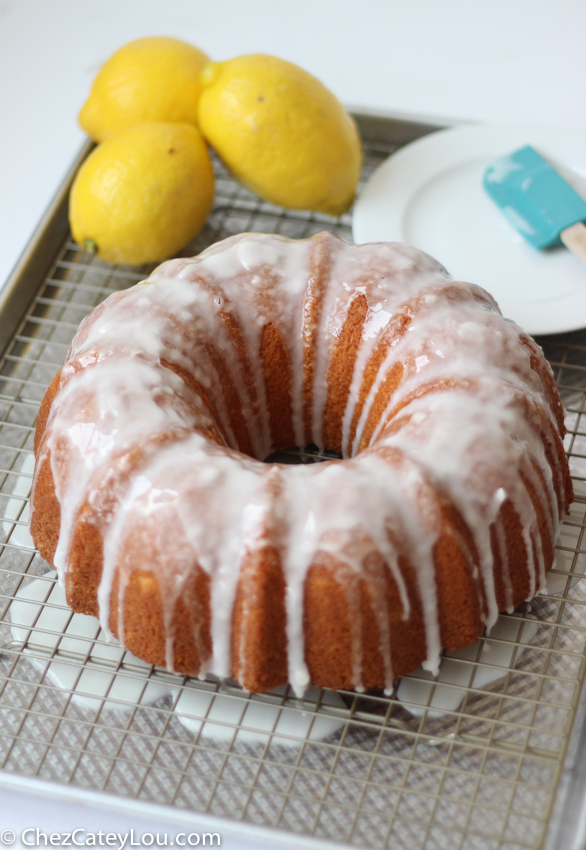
152	500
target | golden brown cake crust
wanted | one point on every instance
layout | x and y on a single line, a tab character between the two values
316	375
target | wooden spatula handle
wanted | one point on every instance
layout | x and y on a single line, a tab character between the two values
574	238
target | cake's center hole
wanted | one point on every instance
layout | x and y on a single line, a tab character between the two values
309	454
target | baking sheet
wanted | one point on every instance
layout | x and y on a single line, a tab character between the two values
358	769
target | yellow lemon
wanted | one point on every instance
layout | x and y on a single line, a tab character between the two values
152	79
143	194
281	132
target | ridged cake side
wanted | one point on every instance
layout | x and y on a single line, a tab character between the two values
151	499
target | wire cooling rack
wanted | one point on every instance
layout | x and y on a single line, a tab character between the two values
471	761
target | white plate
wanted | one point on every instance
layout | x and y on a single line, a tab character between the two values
429	194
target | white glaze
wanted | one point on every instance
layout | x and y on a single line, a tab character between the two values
215	505
475	667
17	508
57	642
44	625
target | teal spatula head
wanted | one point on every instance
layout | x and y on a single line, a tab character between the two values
533	196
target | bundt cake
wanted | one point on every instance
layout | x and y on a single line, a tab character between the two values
152	500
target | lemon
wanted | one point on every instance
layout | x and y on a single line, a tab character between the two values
281	132
143	194
152	79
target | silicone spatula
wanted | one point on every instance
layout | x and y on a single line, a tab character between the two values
537	201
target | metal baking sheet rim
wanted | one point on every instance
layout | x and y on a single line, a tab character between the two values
176	817
567	826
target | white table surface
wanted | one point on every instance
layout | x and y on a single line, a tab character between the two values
505	60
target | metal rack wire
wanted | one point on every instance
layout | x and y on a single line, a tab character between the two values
363	769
